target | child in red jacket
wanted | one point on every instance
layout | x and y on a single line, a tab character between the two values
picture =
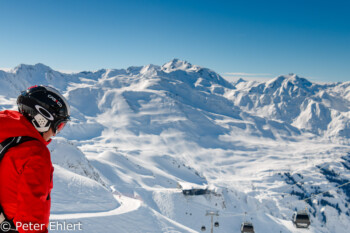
26	170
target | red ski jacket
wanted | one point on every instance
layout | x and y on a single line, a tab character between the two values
25	175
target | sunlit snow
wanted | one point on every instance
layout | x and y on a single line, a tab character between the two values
139	134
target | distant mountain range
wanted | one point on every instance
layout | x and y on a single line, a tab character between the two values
260	147
322	109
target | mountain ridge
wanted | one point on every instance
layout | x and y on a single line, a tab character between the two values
140	131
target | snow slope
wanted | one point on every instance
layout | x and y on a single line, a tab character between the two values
136	133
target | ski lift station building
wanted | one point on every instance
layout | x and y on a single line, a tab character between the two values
190	189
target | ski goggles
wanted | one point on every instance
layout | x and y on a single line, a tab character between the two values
60	125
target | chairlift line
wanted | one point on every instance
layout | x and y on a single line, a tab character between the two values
302	179
312	196
231	214
315	195
296	221
290	194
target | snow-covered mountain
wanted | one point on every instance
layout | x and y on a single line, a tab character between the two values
320	109
139	134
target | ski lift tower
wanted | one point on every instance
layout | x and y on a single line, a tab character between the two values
212	214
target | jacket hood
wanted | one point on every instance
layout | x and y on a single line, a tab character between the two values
14	124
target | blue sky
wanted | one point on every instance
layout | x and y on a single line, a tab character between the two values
252	39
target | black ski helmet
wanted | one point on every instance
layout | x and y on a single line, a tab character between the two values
44	107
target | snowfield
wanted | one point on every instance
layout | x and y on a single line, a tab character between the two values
258	150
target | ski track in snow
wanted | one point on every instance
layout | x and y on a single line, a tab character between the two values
127	205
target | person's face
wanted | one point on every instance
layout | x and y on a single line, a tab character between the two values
47	135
